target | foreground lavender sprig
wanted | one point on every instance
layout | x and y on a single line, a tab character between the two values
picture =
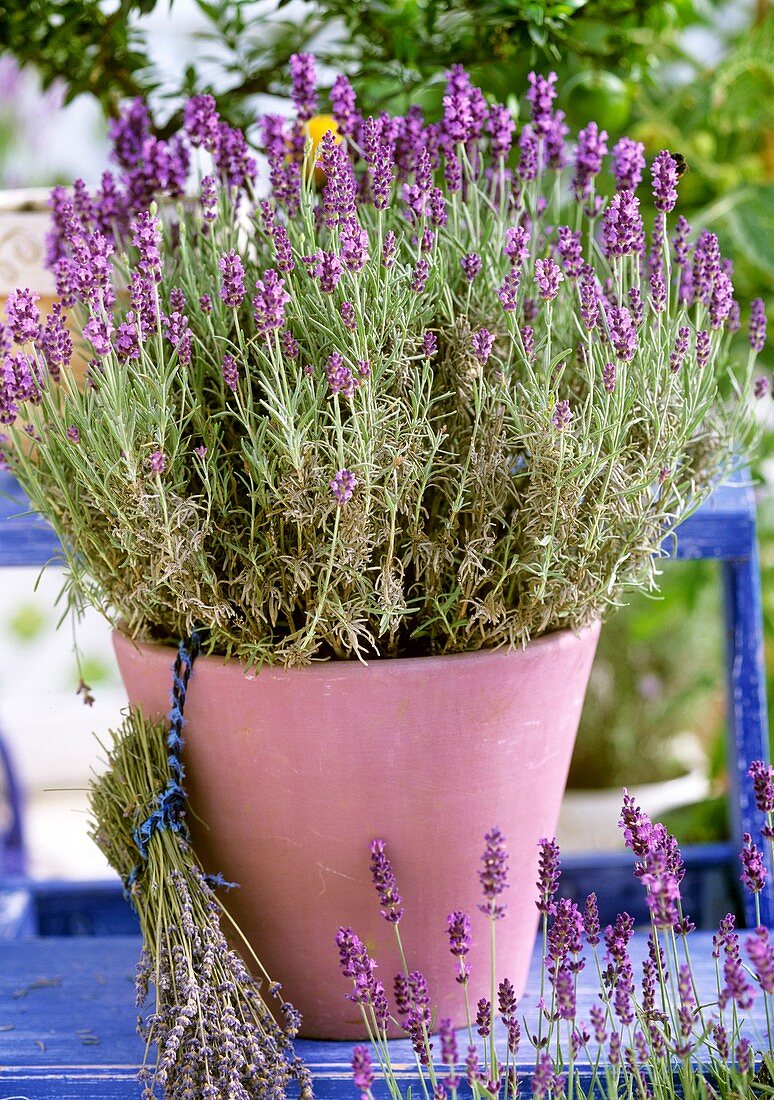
214	1033
641	1036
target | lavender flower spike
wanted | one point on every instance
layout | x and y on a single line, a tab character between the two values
665	179
753	866
757	324
362	1070
232	289
342	487
482	342
384	880
458	931
494	874
548	276
548	873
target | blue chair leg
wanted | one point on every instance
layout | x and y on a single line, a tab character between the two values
748	734
13	860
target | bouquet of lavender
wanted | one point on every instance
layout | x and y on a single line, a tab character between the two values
683	1028
214	1033
449	398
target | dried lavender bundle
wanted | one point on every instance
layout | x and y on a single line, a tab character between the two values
214	1034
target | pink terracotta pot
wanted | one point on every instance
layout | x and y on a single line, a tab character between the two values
295	772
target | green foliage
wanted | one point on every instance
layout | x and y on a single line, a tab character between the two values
479	516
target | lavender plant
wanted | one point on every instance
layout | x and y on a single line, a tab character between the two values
450	399
664	1035
214	1033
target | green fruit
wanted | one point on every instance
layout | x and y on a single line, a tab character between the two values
597	97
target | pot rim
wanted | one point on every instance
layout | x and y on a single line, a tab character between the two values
558	639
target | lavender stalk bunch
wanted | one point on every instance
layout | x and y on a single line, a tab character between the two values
452	397
210	1025
656	1027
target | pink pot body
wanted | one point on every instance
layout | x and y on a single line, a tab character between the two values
295	772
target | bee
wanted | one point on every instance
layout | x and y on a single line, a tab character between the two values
681	164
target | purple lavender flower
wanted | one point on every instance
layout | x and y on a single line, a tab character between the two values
665	177
146	234
561	416
744	1057
543	1079
589	154
508	292
384	880
494	875
129	132
500	126
548	277
540	96
156	462
329	271
230	372
636	826
342	487
202	122
282	249
354	959
448	1053
304	82
753	866
549	870
677	355
73	434
622	229
529	154
388	250
680	240
420	276
569	248
760	952
657	292
127	340
347	311
362	1070
290	346
232	289
628	164
340	377
589	308
528	342
344	105
608	377
429	344
516	246
706	266
662	890
721	300
56	342
482	343
591	921
270	301
564	986
623	334
458	930
23	315
98	331
233	159
703	348
354	245
380	160
762	775
483	1017
471	265
757	324
635	305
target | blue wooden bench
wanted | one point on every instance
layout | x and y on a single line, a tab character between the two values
67	951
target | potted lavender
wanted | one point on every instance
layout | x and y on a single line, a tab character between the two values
393	446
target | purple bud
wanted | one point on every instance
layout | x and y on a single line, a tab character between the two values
494	874
362	1069
665	177
608	377
753	866
628	164
156	462
703	348
304	85
681	347
347	311
343	485
548	277
382	874
757	324
471	265
232	290
562	415
482	342
23	315
548	873
230	372
590	151
269	303
429	344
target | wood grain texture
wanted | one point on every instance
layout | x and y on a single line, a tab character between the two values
67	1020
